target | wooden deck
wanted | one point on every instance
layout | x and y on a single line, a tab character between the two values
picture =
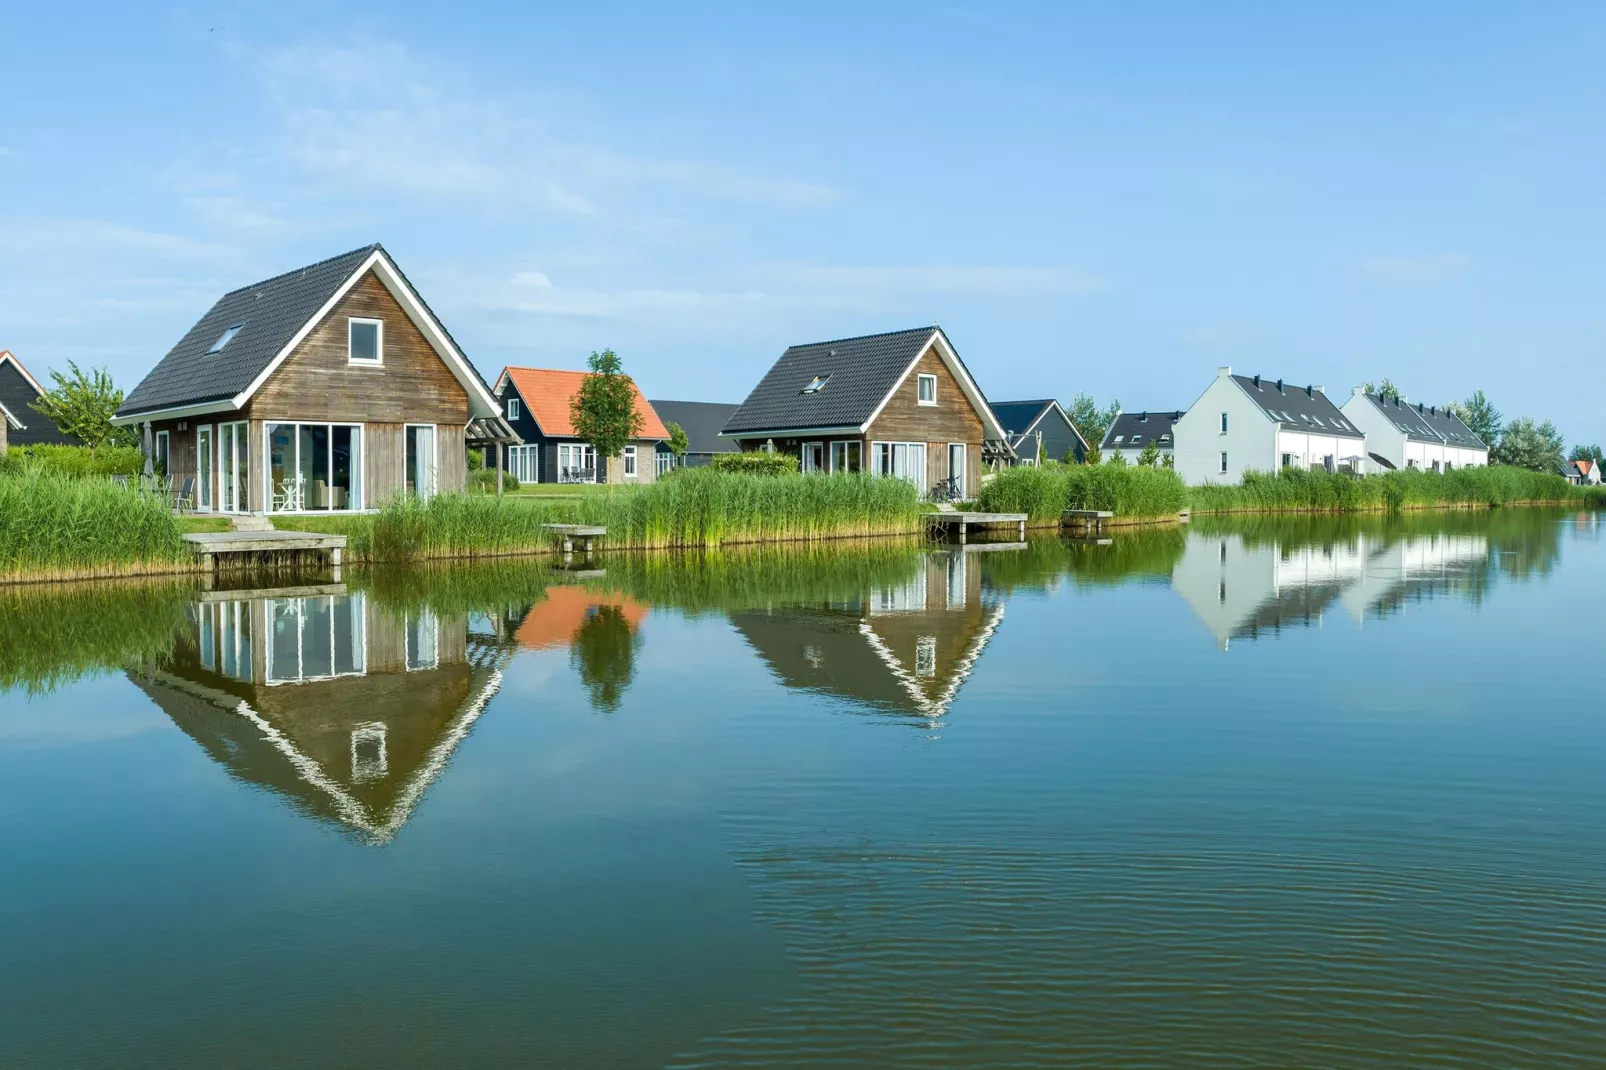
239	548
568	534
1088	518
954	520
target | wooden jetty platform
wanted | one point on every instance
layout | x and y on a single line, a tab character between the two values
240	549
569	534
956	521
1088	518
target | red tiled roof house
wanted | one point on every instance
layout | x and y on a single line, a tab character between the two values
536	403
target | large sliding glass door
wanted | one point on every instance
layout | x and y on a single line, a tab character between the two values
577	463
904	460
203	468
314	467
233	468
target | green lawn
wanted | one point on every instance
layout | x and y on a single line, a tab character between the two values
191	525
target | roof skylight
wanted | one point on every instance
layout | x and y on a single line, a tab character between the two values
817	383
225	338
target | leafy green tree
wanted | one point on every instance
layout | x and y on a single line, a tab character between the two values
1149	456
1091	420
83	404
604	652
1585	453
604	408
1481	416
1117	458
1525	444
1385	390
677	438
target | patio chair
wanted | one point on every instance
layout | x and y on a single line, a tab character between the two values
184	500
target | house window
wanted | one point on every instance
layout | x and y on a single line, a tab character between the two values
365	341
525	463
423	641
926	656
813	458
160	460
1288	460
315	638
847	456
512	408
1224	423
816	384
418	464
577	463
928	389
905	460
1223	462
314	467
1118	440
224	339
630	462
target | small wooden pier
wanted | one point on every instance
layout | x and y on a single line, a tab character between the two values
244	549
1088	518
569	534
947	521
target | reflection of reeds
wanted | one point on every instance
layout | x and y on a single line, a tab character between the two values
1043	494
1298	490
51	635
1134	555
454	590
56	527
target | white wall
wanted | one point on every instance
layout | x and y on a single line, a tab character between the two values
1461	457
1383	437
1130	455
1313	449
1250	441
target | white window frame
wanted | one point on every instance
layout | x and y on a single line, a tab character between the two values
961	483
890	449
512	408
239	434
841	447
1223	423
379	342
926	655
809	451
631	468
584	450
359	497
205	481
1223	462
525	463
921	379
421	660
434	464
163	445
359	639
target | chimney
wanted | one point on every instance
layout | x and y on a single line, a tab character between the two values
1310	391
1279	386
1223	371
1257	380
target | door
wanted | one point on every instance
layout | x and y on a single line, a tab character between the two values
813	456
203	468
421	460
956	467
233	469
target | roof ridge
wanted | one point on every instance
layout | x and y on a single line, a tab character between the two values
305	267
864	337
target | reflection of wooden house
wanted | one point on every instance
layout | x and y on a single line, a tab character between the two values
348	709
551	624
905	647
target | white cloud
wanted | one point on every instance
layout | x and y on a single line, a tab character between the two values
537	279
1432	267
936	278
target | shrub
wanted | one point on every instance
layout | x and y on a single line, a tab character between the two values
484	480
1044	494
757	464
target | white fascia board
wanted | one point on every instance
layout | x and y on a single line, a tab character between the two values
177	412
15	423
432	330
991	428
794	432
9	357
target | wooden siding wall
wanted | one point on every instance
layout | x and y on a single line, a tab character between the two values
952	419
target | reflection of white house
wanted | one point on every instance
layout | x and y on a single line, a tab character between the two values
1243	423
1241	588
1403	435
349	710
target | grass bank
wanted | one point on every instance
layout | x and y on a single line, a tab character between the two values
1131	492
57	527
1298	491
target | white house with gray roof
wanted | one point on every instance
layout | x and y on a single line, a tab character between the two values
1130	433
1247	423
1402	435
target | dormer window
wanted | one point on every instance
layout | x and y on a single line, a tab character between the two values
224	339
365	341
817	384
927	387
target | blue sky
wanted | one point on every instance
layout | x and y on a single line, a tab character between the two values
1087	197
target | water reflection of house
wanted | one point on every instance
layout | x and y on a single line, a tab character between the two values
904	647
1242	589
552	623
348	709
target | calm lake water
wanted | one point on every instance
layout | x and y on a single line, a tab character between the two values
1277	793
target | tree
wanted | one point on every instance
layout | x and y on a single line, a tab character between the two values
604	408
1091	420
1479	415
1586	453
83	405
1168	461
604	652
1149	456
677	438
1385	390
1525	444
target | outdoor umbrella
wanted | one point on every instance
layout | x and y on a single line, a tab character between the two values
150	468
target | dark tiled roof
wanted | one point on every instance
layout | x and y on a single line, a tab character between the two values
1450	428
702	422
269	314
861	371
1404	418
1298	407
1139	429
1017	416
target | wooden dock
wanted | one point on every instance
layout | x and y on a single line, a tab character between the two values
242	549
952	520
568	534
1088	518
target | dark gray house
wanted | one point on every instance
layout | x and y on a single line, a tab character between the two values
1130	433
702	422
23	426
1040	430
538	404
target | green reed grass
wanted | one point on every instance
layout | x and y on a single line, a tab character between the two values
52	635
1045	493
1298	490
56	527
77	461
